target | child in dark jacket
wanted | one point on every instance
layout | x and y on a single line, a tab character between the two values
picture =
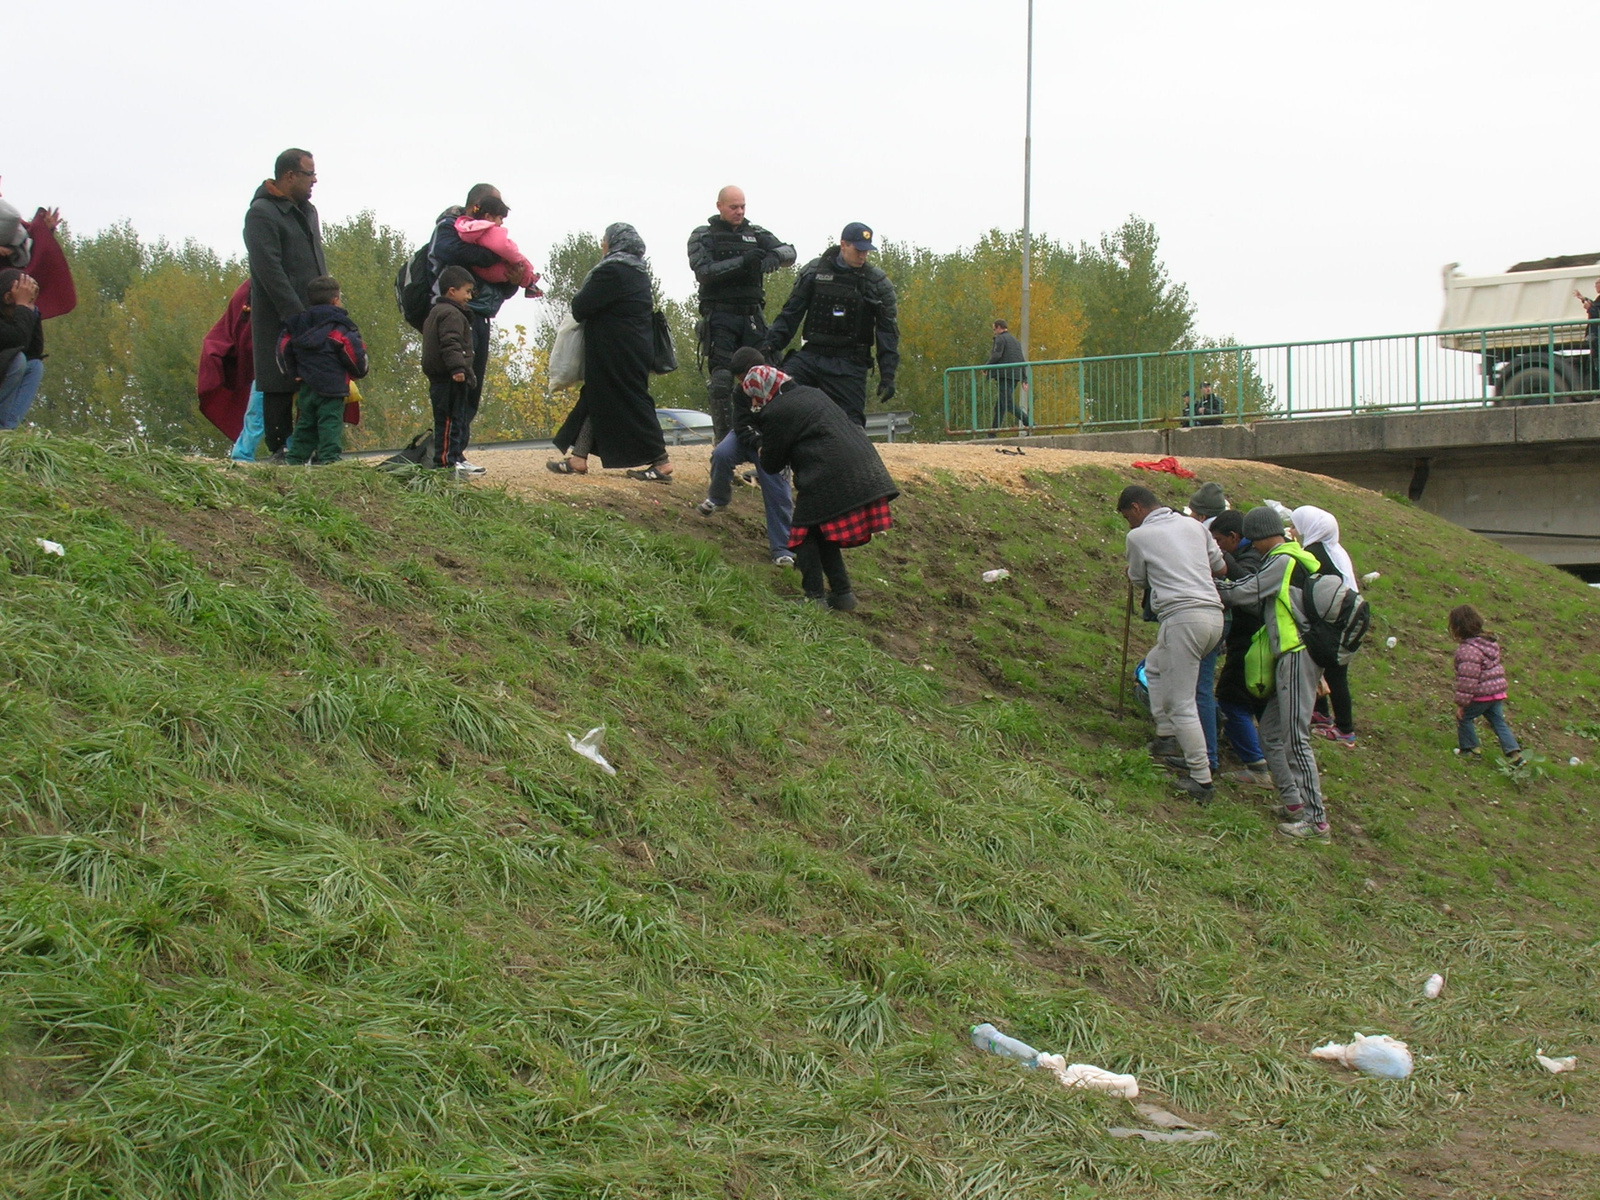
1480	686
322	349
447	362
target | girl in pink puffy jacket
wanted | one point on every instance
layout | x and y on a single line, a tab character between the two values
1480	686
488	230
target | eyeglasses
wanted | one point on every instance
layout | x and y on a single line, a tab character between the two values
311	175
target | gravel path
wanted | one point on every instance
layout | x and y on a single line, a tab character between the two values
523	471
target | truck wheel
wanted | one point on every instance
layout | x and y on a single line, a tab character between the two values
1532	385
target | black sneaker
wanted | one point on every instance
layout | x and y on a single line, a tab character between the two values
279	459
1163	746
842	601
1202	793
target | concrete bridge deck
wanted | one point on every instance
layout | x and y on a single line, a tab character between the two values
1526	476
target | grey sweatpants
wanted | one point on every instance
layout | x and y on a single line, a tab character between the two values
1286	736
1172	668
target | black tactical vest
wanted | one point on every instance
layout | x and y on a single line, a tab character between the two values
840	316
736	288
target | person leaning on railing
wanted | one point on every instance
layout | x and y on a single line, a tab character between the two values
1591	309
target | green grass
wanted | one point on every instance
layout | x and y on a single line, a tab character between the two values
304	894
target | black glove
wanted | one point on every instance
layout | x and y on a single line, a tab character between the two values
886	391
752	256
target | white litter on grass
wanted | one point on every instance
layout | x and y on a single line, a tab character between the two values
1157	1115
589	746
1392	643
1371	577
1434	986
1557	1065
1163	1135
1574	761
1381	1055
1082	1075
1070	1075
996	575
50	547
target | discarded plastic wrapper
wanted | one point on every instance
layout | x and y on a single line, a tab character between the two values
1381	1055
1574	761
1434	986
589	746
1392	643
1557	1065
1082	1075
50	547
1157	1115
1075	1075
1371	577
1164	1135
996	575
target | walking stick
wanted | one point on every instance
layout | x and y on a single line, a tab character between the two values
1127	628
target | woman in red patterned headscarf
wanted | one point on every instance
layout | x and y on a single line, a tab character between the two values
843	490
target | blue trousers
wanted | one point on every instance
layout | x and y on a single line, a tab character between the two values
775	491
18	387
1239	723
1495	712
255	428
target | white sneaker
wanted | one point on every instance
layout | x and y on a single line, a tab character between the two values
465	468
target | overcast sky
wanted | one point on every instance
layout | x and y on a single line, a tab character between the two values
1309	168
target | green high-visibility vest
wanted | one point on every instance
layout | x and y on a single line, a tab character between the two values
1260	665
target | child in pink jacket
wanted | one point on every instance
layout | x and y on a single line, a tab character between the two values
1480	686
489	232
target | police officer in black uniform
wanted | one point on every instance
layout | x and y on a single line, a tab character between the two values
849	310
729	257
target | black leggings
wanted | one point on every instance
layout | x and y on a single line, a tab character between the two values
1339	692
818	557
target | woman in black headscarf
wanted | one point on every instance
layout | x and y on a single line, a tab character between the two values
615	416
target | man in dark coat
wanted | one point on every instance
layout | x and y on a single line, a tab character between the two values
615	416
730	256
283	238
848	308
1006	349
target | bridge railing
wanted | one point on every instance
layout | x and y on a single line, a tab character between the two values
1461	368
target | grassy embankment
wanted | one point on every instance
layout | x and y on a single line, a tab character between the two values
303	893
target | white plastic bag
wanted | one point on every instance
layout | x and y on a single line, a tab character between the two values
1382	1055
1082	1075
566	356
589	746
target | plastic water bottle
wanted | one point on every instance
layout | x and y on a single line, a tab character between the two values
987	1037
996	575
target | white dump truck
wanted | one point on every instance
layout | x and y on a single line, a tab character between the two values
1552	360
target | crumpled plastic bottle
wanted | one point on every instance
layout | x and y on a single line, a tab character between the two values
987	1037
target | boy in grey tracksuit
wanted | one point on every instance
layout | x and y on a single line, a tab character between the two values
1286	718
1179	562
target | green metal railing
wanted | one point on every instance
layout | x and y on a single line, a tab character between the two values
1514	364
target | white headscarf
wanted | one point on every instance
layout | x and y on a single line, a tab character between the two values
1318	525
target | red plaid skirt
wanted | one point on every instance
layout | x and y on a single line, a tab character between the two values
853	529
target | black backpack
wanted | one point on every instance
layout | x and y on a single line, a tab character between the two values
413	287
1337	617
418	452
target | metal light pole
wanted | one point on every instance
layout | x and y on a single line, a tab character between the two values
1027	202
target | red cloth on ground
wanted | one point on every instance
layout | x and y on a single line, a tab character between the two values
853	529
1169	465
227	366
57	293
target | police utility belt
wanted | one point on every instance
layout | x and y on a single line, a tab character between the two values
735	308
